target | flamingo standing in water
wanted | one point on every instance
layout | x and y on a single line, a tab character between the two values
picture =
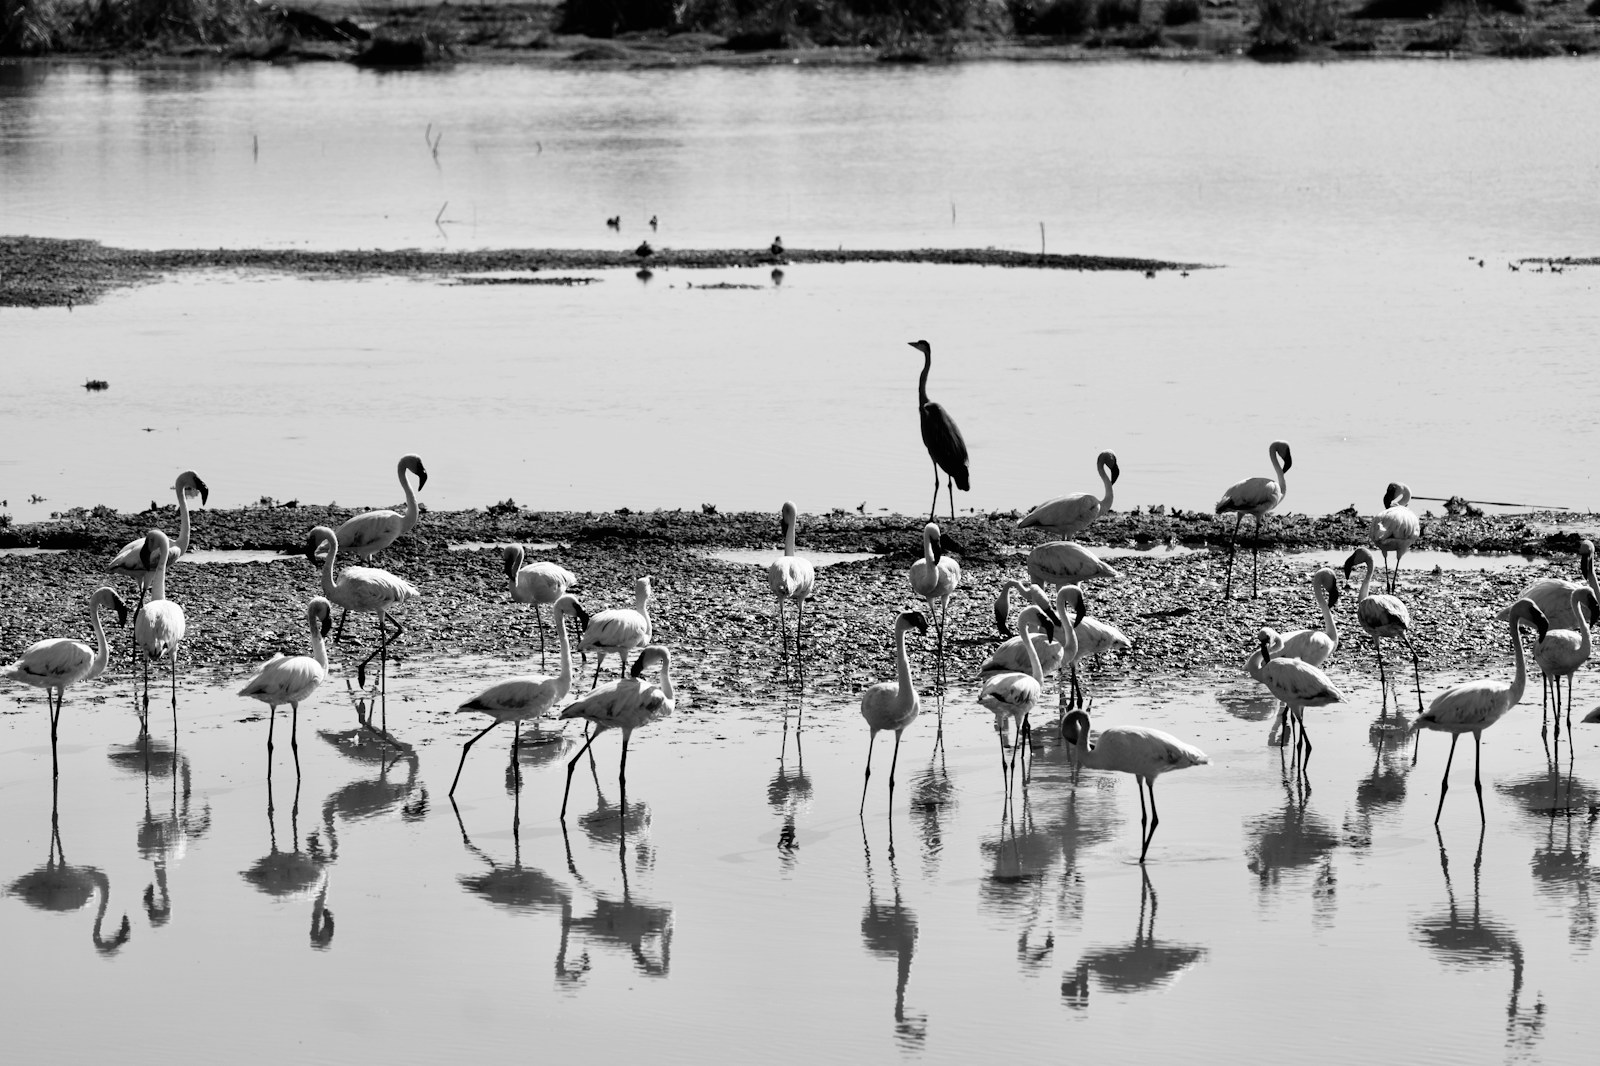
1474	706
539	583
626	704
1067	516
1382	615
292	679
1553	595
1394	529
366	534
892	704
943	440
1560	652
1130	749
936	576
1255	496
1314	646
791	578
616	631
368	590
524	697
128	562
159	626
1293	682
57	664
1013	694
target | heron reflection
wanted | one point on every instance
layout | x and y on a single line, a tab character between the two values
1469	941
295	874
1144	964
789	792
59	886
889	931
642	928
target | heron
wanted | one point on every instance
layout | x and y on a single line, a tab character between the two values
944	442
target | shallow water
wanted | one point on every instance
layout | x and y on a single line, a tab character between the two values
741	876
762	558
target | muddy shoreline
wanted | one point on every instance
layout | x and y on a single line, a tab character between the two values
719	617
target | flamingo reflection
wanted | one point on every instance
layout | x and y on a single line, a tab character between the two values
59	886
889	931
513	887
164	838
1144	963
1291	839
370	797
1383	789
295	874
643	929
789	791
933	797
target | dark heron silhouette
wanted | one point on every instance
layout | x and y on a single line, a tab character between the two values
945	445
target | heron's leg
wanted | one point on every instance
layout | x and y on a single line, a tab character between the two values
871	738
571	766
933	508
950	490
1444	785
468	747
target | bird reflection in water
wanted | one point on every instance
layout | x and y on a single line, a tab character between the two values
368	798
60	886
295	874
643	929
1291	839
1019	860
789	791
889	931
1144	964
1474	941
163	838
514	887
1569	807
1383	789
933	796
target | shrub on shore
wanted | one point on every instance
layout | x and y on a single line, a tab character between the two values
1180	12
124	23
28	27
1282	26
1053	18
1114	14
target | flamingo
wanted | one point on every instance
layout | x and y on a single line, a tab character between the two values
1010	656
616	631
1474	706
1130	749
292	679
1314	646
1559	653
1092	636
366	534
60	886
370	591
1395	529
1254	496
128	561
1553	595
539	583
892	704
791	578
61	662
1065	562
1011	695
526	696
1293	682
1067	516
936	576
943	440
1382	615
626	704
159	625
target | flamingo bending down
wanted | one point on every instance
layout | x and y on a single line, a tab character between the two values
1092	636
1314	646
1395	529
1560	652
1067	516
368	590
892	704
1065	562
1011	656
158	627
1011	695
526	696
1553	595
1130	749
366	534
1255	496
1474	706
936	576
943	440
1382	615
791	578
538	583
292	679
626	704
616	631
61	662
1293	682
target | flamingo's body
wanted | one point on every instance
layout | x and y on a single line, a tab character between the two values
1382	616
1011	656
791	578
1553	595
1067	516
366	534
539	583
943	440
1314	646
1560	652
617	631
129	562
292	679
1293	682
1091	636
1144	753
1474	706
1255	496
626	704
935	577
159	626
526	696
1395	529
892	704
57	664
1065	562
363	589
1012	695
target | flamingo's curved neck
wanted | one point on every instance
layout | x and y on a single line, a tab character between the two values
1034	668
1277	469
183	525
902	664
1404	499
319	650
1329	625
158	580
927	550
332	544
641	603
666	679
1105	479
564	678
1585	645
102	655
922	382
788	536
1366	581
1519	682
411	499
1587	566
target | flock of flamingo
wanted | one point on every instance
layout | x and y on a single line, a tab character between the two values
1053	632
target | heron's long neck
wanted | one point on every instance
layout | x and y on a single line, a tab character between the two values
788	536
1105	479
327	566
1519	682
411	500
922	382
902	663
319	650
183	524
